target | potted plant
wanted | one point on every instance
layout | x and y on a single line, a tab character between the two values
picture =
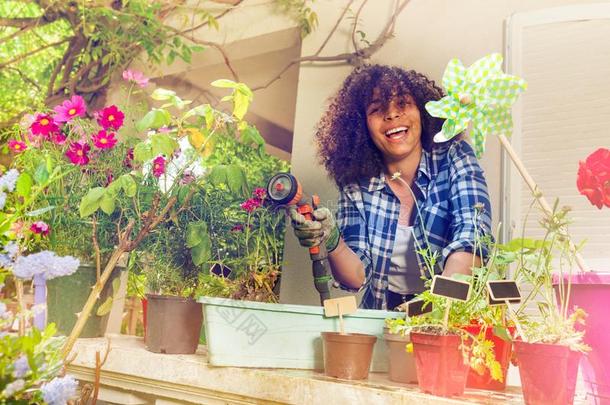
401	361
550	343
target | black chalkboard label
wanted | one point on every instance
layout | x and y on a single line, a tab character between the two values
418	307
450	288
504	290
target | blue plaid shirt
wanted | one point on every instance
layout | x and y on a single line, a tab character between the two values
448	184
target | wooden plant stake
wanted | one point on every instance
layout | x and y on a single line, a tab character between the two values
339	307
451	289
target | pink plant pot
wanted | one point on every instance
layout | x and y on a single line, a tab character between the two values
591	292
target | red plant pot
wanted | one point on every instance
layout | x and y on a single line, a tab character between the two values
502	351
548	372
440	365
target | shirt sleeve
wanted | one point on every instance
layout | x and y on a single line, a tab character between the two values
353	231
470	205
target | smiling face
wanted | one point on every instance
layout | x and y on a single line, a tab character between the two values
395	128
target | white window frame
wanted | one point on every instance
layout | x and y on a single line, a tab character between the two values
510	202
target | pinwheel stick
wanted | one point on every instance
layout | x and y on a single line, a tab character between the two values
538	196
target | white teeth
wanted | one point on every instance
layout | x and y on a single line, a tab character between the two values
395	130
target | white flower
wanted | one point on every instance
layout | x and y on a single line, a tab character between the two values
8	181
13	388
2	199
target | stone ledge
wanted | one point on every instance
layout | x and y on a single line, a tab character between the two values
147	378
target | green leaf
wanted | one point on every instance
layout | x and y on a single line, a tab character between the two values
129	185
224	83
41	174
195	232
162	94
241	103
236	178
108	203
142	152
91	201
218	175
250	135
502	333
105	308
40	211
24	184
155	118
163	144
197	48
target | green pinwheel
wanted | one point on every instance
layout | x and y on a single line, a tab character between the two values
482	94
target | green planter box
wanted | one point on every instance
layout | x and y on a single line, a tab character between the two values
255	334
66	297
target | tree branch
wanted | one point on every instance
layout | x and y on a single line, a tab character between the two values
332	31
24	77
19	22
203	24
356	25
30	53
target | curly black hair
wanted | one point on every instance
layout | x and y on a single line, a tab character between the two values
344	145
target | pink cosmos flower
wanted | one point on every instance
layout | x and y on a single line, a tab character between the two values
44	125
158	166
110	117
17	146
77	153
75	107
251	204
40	228
237	228
17	228
135	77
104	140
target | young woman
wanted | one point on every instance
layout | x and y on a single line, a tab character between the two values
402	196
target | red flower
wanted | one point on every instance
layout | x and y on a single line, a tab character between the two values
593	179
259	193
104	140
58	138
158	166
128	161
251	204
237	228
44	125
110	117
17	146
40	228
77	153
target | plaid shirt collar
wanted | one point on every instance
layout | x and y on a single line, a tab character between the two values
377	183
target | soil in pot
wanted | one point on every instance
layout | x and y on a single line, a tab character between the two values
401	363
173	324
502	350
348	356
548	372
440	365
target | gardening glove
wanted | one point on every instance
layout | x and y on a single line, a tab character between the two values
313	232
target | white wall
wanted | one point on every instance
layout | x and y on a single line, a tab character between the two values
428	34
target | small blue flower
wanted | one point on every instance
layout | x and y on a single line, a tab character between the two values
2	199
8	181
21	367
3	313
13	388
45	263
59	390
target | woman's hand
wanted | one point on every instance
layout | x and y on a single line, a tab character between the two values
323	228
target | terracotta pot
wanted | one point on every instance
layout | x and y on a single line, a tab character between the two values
548	372
401	363
502	350
348	356
440	365
591	292
173	324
